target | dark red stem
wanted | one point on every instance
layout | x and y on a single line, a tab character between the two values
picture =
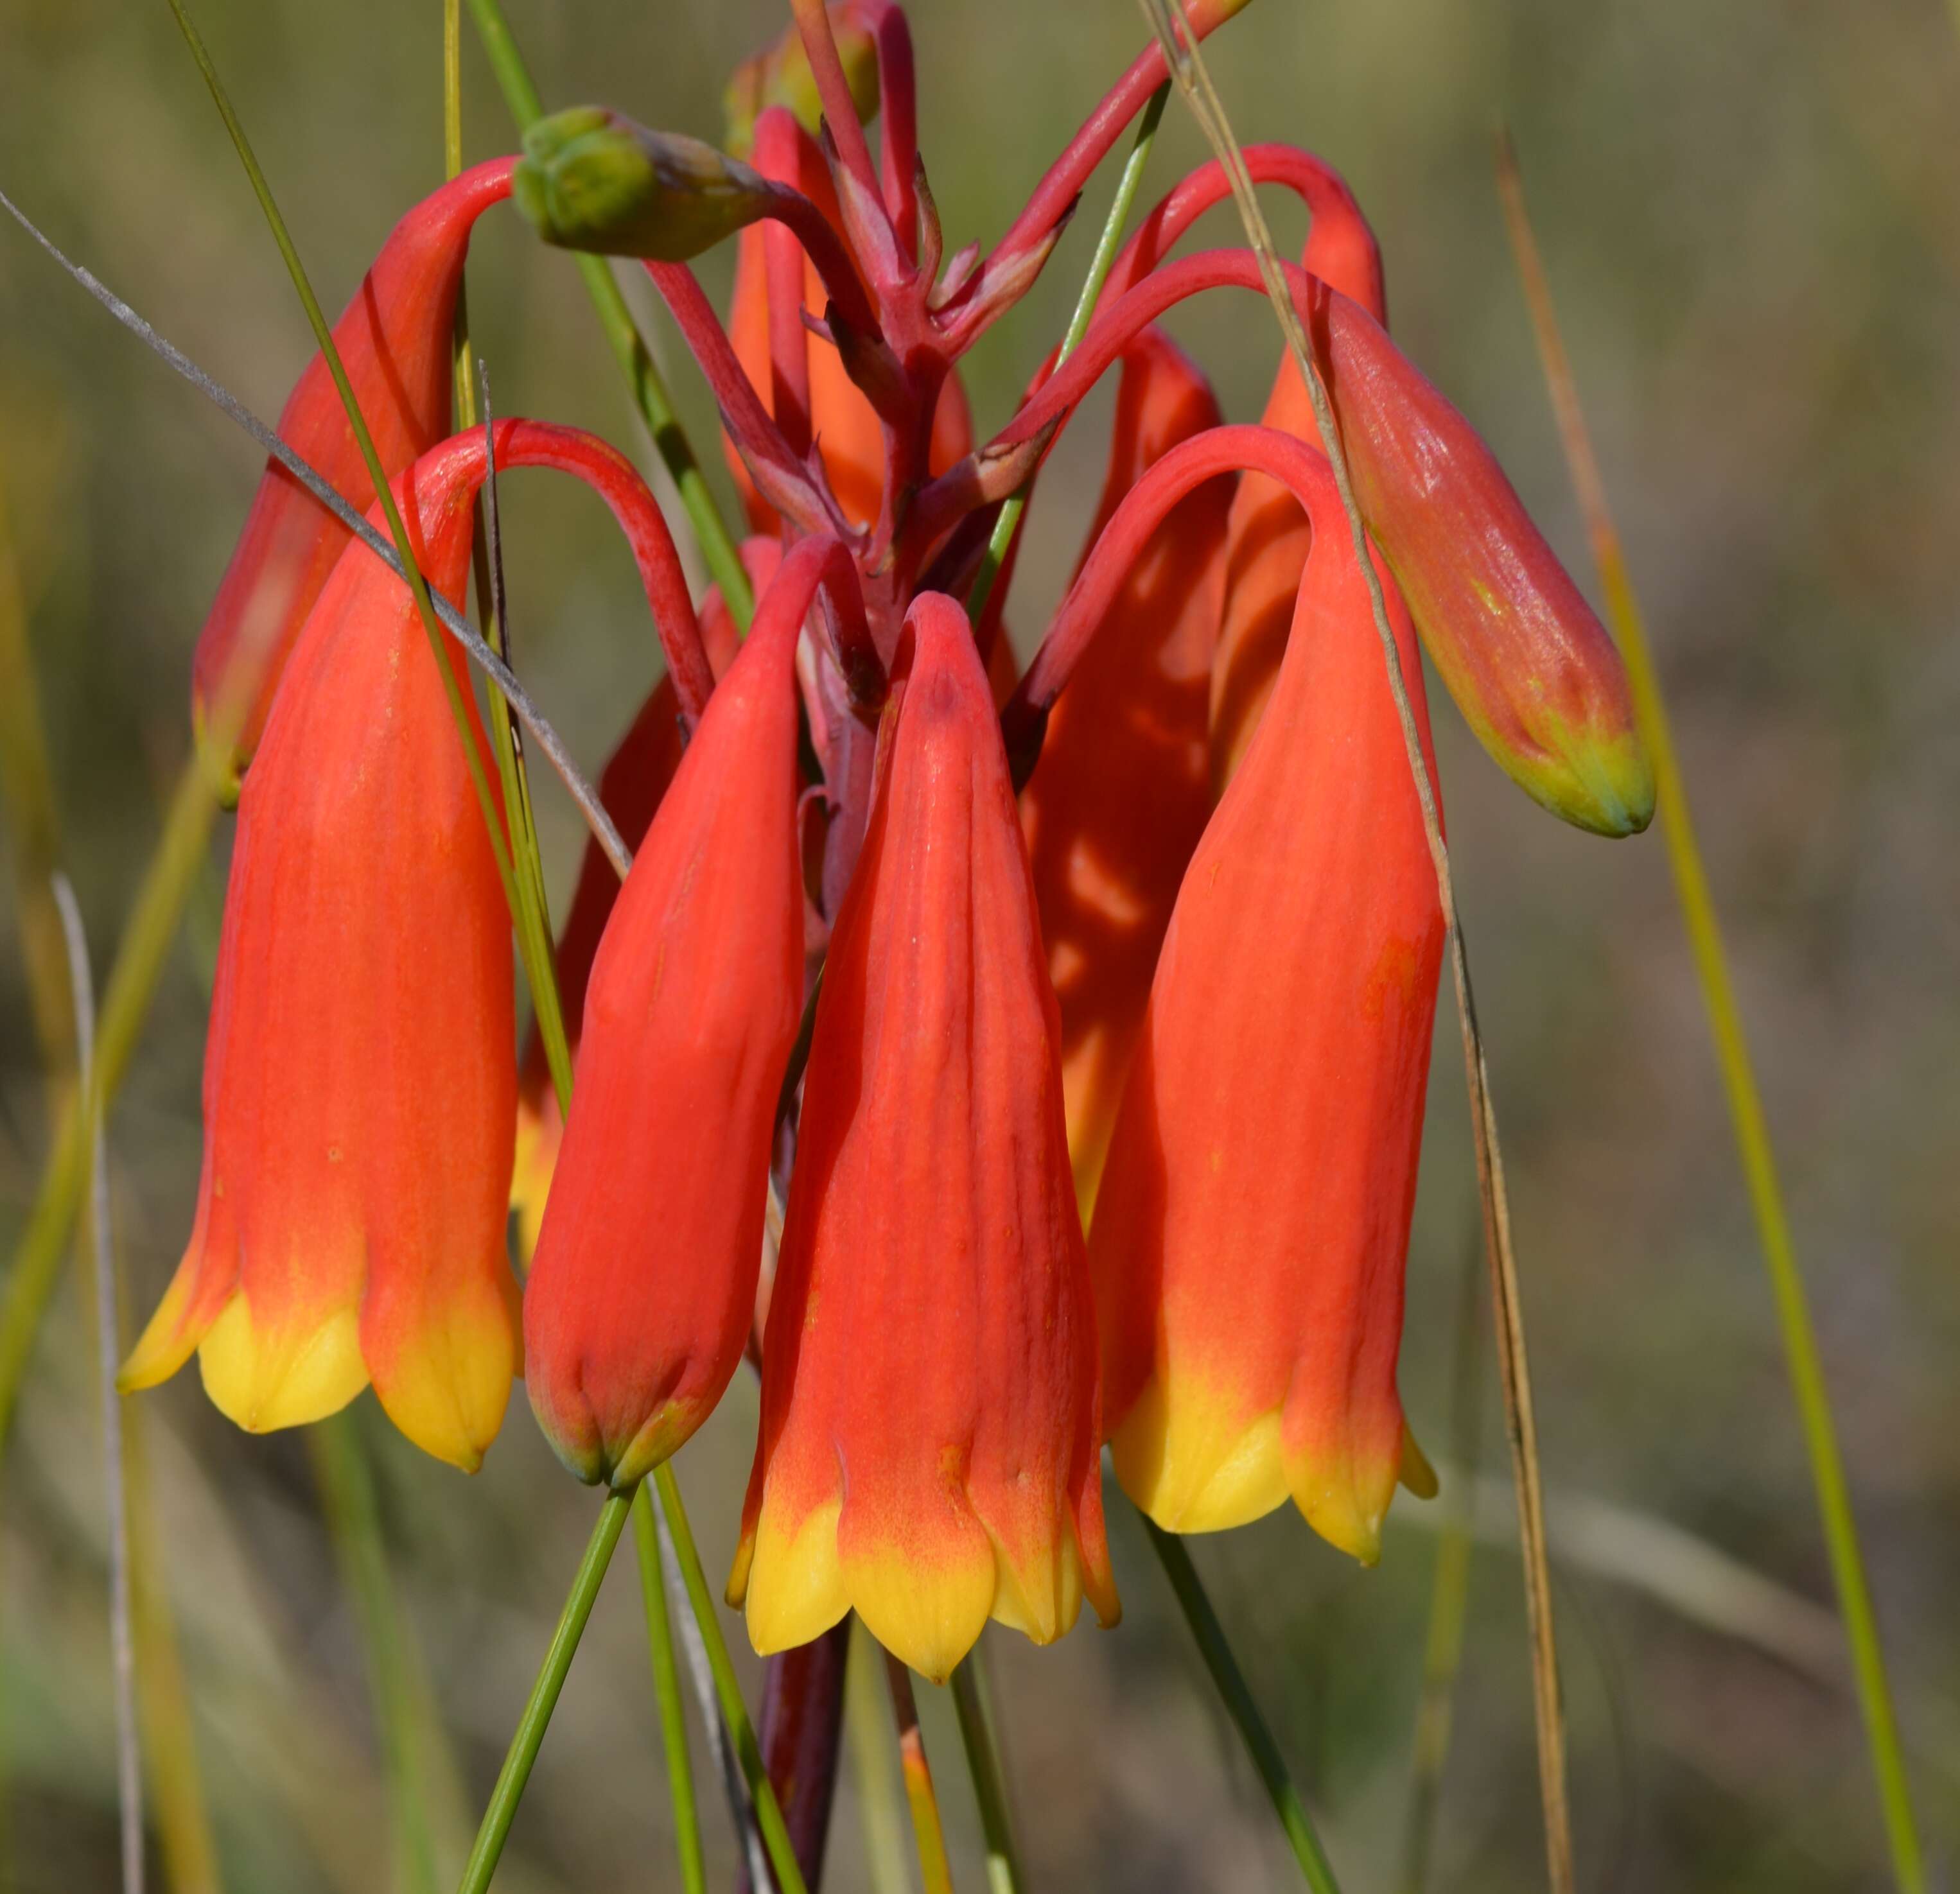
803	1710
779	475
1065	177
1313	180
778	157
610	474
825	561
897	119
840	109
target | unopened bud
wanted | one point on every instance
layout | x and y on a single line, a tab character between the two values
781	75
592	180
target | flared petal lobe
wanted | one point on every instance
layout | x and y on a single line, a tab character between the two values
359	1078
929	1445
643	1287
1249	1237
394	340
1121	794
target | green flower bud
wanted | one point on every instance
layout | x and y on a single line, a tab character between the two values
592	180
781	75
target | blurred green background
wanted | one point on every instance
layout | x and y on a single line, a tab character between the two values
1751	215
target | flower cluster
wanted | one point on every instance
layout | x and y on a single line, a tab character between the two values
1120	975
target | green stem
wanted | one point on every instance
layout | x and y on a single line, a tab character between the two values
649	389
667	1693
524	1746
132	984
1244	1711
1100	265
870	1733
1732	1052
1443	1650
354	1524
990	1783
459	703
748	1751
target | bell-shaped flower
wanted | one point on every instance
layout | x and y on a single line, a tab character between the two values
1250	1234
394	341
1121	794
360	1075
634	780
1270	533
929	1448
643	1288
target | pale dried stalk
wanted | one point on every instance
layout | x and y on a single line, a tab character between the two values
1187	68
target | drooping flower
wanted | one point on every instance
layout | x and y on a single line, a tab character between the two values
393	339
643	1289
1121	794
928	1452
635	778
359	1071
1250	1238
1270	531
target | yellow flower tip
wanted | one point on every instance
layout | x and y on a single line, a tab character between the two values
1190	1459
1413	1470
929	1614
790	1584
262	1378
447	1383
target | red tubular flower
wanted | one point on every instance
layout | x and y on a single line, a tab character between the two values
635	777
643	1286
394	342
1120	796
359	1076
1269	532
928	1452
1249	1237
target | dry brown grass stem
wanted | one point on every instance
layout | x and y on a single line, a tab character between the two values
1194	81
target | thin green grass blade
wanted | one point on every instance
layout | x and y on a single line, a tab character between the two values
1732	1053
989	1773
33	829
1241	1706
871	1746
667	1694
1107	245
1449	1594
354	1526
482	1866
649	390
132	984
748	1751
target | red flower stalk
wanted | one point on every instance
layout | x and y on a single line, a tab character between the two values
642	1289
359	1076
1528	662
928	1452
394	342
1121	795
635	777
801	378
